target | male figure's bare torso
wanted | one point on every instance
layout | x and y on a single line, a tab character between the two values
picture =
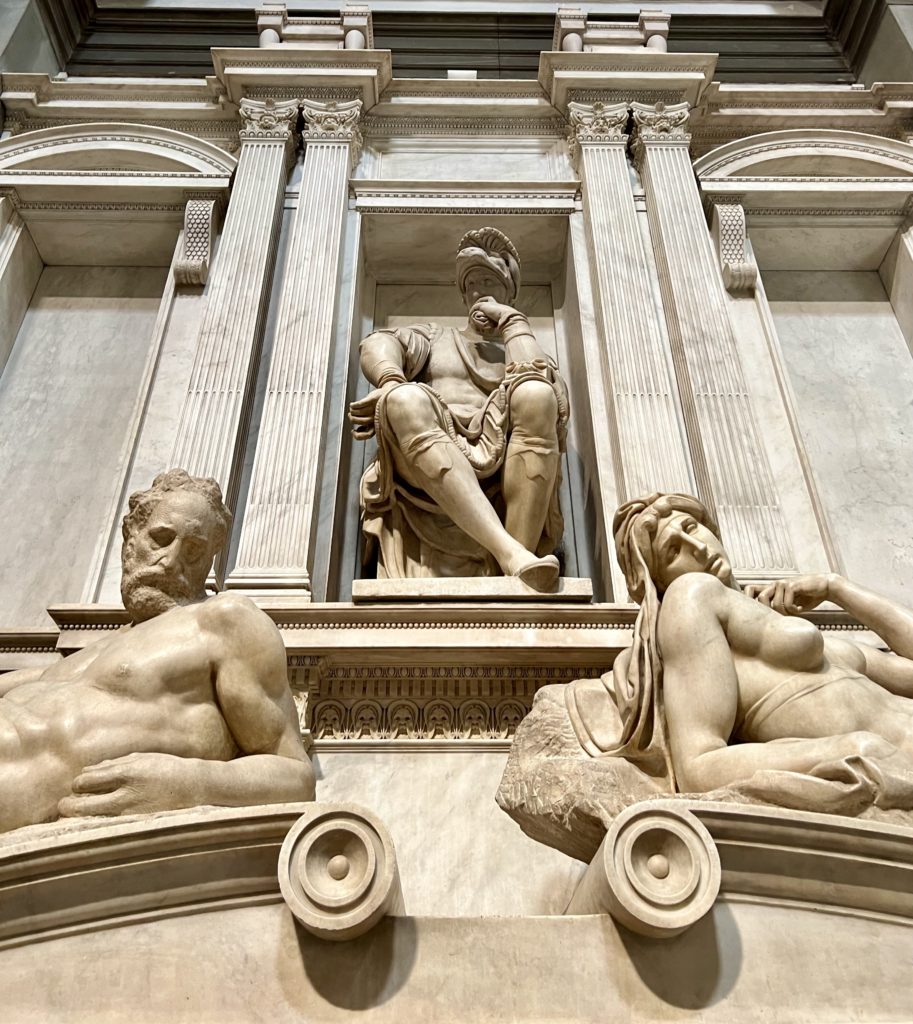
446	370
147	688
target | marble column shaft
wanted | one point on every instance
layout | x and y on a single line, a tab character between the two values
649	445
275	548
731	466
210	439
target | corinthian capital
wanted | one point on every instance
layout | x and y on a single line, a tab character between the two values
333	122
660	123
598	122
595	123
268	119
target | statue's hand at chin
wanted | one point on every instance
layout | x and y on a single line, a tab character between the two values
134	784
487	315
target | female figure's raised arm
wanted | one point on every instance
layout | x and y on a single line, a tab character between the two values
891	621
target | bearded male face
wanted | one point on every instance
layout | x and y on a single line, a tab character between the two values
166	559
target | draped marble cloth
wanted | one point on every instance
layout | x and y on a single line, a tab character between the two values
621	715
414	536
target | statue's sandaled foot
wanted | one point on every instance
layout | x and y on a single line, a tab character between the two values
541	574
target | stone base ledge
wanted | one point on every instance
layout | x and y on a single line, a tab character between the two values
468	588
76	876
664	863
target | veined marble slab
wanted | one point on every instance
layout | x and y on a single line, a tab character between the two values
468	588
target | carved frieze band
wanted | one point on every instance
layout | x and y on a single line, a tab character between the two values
199	229
334	121
438	718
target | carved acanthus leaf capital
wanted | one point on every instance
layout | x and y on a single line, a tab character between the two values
334	122
265	120
597	123
658	123
661	123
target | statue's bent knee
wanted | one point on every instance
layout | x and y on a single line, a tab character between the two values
409	410
534	406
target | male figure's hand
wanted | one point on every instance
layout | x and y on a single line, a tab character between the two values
488	315
795	595
134	784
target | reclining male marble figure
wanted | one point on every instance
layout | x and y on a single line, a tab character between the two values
721	693
461	436
188	705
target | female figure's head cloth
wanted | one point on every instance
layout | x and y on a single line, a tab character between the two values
634	726
635	528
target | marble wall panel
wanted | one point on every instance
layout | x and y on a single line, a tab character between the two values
17	284
467	159
155	443
66	396
852	374
459	854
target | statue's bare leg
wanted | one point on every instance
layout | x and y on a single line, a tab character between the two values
531	463
428	459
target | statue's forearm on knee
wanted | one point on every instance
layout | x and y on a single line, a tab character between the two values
382	359
520	345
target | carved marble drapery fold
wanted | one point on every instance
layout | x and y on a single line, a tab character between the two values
650	449
209	440
730	464
275	545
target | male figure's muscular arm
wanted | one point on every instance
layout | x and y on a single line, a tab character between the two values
251	684
10	680
701	692
253	693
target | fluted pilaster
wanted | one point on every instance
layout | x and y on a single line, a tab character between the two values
649	445
209	440
275	549
731	466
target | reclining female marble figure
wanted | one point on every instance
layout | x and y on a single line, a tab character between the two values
188	705
462	436
720	693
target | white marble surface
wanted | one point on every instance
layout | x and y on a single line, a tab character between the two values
477	158
156	440
743	964
19	275
459	854
852	374
65	398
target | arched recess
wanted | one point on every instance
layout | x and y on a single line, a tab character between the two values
113	148
109	194
848	192
816	223
821	153
90	221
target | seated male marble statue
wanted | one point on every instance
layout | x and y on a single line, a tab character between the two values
721	693
188	705
470	425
